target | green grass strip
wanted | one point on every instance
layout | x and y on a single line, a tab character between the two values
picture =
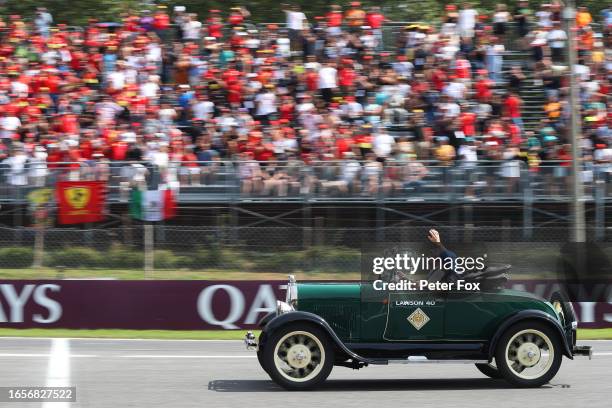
583	334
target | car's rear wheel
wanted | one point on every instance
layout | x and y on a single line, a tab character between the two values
489	369
298	357
529	354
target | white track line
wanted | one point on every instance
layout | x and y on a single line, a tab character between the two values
58	370
45	355
120	339
184	356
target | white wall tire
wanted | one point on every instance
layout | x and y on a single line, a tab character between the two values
529	354
298	356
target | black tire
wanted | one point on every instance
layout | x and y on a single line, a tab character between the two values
321	360
489	370
529	328
261	360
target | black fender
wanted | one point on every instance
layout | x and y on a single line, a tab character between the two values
537	315
297	316
264	321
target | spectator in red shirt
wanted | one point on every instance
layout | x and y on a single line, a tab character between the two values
333	19
512	106
375	20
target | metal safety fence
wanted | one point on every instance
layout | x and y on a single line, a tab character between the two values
331	181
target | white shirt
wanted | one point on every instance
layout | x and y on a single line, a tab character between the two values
117	79
284	47
383	144
353	109
455	90
154	53
295	20
107	110
160	159
468	155
203	109
19	88
8	126
191	30
167	115
544	18
38	164
17	176
403	68
328	77
149	89
501	17
266	103
556	38
451	109
604	155
350	170
467	19
582	71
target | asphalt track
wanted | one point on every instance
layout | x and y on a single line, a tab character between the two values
203	374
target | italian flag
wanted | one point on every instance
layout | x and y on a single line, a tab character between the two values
152	205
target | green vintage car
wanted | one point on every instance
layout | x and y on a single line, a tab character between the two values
506	333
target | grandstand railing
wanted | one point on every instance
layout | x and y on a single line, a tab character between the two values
331	181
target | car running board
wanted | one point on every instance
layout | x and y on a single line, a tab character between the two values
425	360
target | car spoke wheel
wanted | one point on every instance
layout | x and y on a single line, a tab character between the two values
298	356
528	354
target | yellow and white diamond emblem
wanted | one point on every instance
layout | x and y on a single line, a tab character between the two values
418	319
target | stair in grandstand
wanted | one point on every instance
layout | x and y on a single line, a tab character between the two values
532	94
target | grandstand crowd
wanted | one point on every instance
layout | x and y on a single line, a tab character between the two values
186	94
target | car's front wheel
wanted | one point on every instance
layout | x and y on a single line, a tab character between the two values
529	354
298	357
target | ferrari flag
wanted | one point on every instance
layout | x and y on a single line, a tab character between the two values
152	205
80	201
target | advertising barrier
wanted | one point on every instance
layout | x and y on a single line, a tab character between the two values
176	305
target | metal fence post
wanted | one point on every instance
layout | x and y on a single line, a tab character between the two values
600	220
468	223
380	212
39	245
527	204
149	247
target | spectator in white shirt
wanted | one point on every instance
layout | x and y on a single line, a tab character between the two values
17	175
383	144
328	81
202	108
150	89
192	28
8	124
296	21
266	104
467	21
556	41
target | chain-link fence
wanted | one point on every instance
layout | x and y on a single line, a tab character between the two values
157	251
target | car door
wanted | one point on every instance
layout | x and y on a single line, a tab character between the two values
415	315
